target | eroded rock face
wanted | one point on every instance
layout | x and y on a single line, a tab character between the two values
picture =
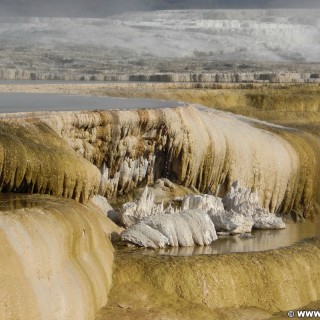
34	159
197	148
200	149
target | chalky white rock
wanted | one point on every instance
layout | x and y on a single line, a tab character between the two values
200	216
184	229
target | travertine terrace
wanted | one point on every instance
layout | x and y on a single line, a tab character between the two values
192	146
112	153
166	45
58	261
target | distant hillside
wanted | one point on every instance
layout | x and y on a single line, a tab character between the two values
104	8
222	35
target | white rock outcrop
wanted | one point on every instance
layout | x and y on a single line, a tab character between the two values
144	236
231	221
186	228
241	200
245	203
202	201
102	203
200	216
132	212
266	220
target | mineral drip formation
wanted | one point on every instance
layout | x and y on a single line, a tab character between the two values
198	148
79	154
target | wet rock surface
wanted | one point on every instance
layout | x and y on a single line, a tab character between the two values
56	258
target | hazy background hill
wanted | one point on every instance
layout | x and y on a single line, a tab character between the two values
236	35
164	41
103	8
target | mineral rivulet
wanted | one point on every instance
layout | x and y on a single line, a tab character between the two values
198	219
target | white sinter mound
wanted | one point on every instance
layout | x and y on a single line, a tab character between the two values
151	225
132	212
184	229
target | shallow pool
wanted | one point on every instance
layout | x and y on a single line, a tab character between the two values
32	102
260	240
